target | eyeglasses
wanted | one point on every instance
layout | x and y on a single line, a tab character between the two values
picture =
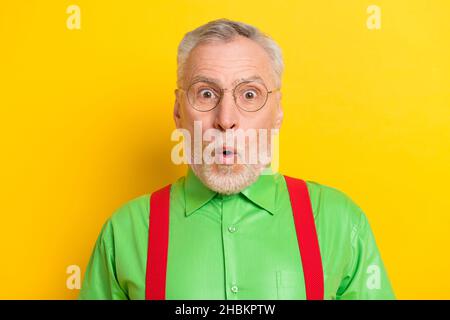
249	96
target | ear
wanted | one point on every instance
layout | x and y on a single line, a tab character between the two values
177	111
279	114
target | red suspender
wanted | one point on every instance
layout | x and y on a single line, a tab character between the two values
306	237
158	240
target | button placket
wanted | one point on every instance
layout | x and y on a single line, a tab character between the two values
229	229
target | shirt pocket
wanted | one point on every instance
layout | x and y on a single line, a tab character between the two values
290	285
331	286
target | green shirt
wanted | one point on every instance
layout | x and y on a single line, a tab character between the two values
241	246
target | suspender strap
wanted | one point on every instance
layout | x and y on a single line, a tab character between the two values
158	240
307	238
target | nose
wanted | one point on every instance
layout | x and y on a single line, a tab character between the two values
227	113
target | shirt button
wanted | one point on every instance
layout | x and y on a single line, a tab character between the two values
234	289
232	229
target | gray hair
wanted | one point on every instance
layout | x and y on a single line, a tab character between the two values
226	30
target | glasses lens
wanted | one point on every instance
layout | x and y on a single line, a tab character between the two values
203	96
251	96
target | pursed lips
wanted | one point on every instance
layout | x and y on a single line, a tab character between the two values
226	154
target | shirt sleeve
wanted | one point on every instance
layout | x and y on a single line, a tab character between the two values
100	279
366	278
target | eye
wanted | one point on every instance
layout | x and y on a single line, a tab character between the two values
250	94
207	94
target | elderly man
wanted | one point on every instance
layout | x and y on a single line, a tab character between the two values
233	228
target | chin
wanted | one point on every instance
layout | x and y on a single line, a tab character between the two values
226	169
227	178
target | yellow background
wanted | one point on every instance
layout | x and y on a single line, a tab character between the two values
86	118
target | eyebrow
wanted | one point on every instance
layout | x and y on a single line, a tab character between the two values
216	81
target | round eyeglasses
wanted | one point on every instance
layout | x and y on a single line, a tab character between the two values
249	96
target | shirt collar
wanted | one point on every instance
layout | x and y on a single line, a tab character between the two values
196	194
262	192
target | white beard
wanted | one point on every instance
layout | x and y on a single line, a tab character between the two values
227	179
230	178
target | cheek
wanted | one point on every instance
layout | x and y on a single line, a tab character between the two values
271	115
264	119
189	116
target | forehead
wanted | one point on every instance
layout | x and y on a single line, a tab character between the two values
229	62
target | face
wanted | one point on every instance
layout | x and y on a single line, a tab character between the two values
227	64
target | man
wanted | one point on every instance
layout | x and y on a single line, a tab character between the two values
234	228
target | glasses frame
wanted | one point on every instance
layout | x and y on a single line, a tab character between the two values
222	93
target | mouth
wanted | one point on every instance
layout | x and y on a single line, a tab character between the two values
228	152
226	155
